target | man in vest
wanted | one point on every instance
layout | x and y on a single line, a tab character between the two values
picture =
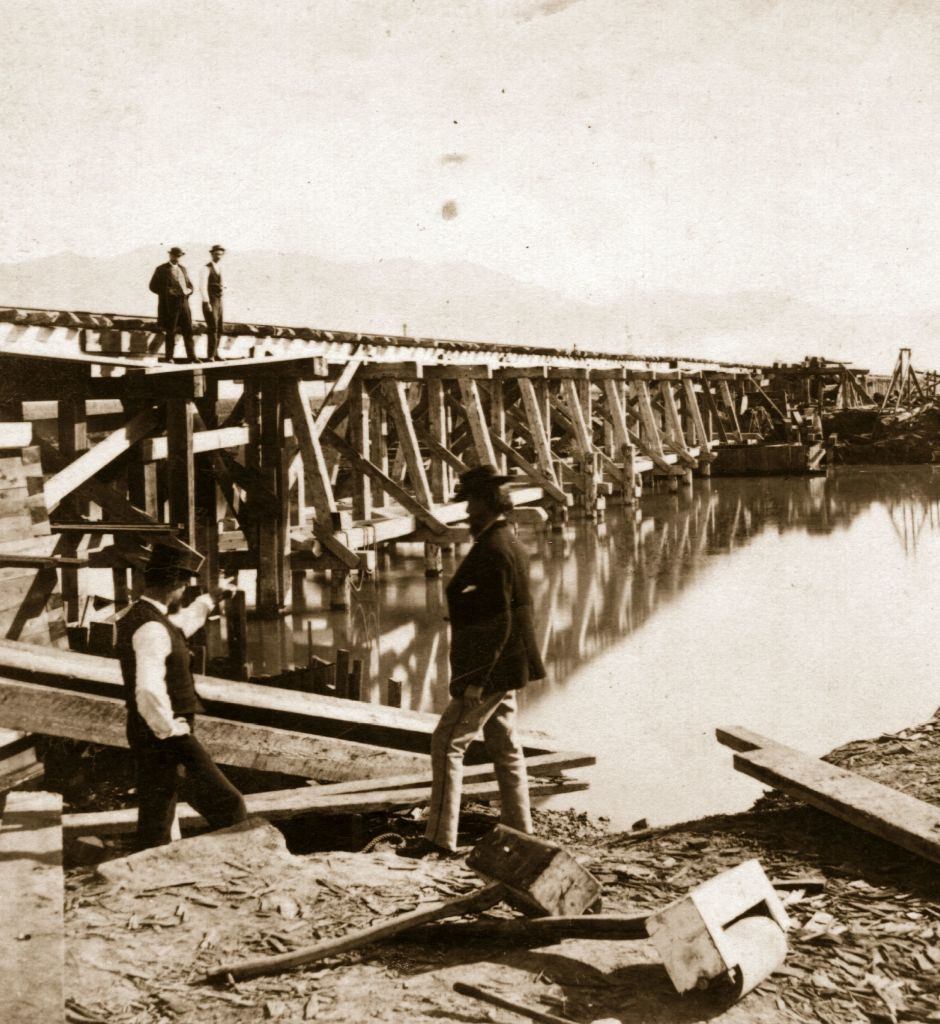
171	284
210	288
493	653
162	701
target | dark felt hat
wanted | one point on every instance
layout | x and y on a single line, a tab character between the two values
177	251
481	480
217	248
173	561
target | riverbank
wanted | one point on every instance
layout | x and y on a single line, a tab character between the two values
865	942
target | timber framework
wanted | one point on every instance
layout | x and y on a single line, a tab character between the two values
304	449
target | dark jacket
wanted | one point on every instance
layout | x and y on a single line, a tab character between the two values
164	286
493	641
180	685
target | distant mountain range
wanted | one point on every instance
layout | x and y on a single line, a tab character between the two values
466	301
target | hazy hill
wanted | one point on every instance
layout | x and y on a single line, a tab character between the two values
464	300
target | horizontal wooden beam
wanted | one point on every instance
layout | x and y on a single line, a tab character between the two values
912	824
154	449
52	711
408	370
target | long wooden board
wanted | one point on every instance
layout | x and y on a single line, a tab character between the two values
901	819
32	925
50	711
266	705
290	803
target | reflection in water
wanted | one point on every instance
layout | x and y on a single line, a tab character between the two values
801	608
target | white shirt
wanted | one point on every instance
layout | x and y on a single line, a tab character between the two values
204	280
152	646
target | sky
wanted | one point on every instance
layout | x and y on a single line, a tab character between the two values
594	147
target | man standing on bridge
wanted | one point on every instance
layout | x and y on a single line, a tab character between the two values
162	702
210	288
172	286
493	653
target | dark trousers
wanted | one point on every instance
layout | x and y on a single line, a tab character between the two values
212	314
160	765
178	320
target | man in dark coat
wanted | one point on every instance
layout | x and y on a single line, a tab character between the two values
493	653
162	702
171	284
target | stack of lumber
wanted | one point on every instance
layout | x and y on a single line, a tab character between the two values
376	725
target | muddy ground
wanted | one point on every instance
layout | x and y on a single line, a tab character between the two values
864	946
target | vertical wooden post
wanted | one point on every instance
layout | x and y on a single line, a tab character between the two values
180	470
440	480
630	488
273	527
358	434
498	418
379	443
73	440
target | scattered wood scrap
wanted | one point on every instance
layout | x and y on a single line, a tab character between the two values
901	819
31	926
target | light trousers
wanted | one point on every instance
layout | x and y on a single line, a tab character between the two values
459	726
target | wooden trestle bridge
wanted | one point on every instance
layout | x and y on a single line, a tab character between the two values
304	449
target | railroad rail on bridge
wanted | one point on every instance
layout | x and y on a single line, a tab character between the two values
305	449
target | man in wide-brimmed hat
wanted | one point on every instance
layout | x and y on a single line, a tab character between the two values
162	702
171	284
211	288
493	653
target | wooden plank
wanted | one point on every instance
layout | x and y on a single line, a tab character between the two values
912	824
93	461
536	475
695	411
290	803
316	473
395	400
32	925
51	711
308	713
154	449
537	764
538	429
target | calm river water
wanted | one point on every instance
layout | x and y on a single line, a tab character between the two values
803	608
